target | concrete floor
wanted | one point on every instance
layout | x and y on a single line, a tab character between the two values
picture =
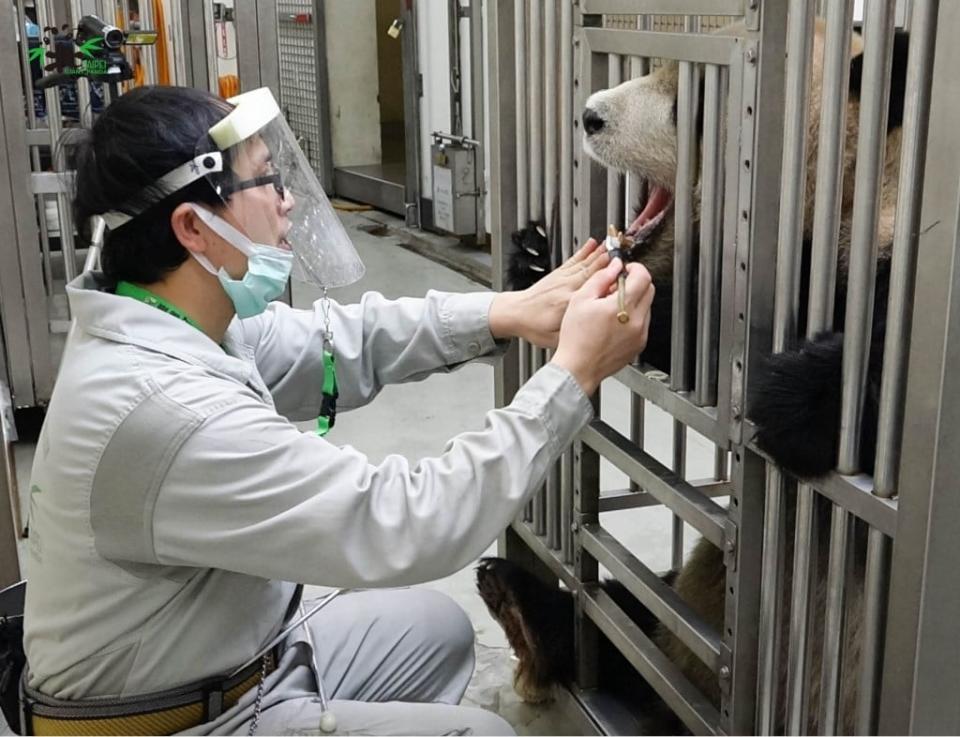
445	405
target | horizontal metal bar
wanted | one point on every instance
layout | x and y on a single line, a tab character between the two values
695	507
550	558
694	47
52	182
855	494
662	601
692	707
701	419
662	7
613	501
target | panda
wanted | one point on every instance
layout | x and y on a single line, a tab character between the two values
795	400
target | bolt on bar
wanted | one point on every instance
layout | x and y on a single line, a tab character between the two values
878	46
711	235
903	266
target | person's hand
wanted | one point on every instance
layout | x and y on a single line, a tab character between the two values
535	313
593	343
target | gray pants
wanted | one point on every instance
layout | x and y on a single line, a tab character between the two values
393	662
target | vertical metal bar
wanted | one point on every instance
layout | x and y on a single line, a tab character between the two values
720	464
58	156
586	511
903	264
325	165
637	417
828	198
535	92
550	152
477	107
148	54
794	181
805	541
456	76
639	66
520	85
683	222
680	468
875	589
711	226
566	129
771	596
834	621
615	191
866	213
411	114
566	239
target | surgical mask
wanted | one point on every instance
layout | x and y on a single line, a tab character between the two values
268	268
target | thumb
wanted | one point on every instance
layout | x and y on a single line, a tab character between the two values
598	285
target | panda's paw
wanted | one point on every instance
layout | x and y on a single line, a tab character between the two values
530	259
526	609
795	404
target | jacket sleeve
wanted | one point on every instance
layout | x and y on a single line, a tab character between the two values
249	493
376	342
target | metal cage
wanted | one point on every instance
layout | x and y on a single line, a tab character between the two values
544	60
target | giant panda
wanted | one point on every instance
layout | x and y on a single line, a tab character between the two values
795	403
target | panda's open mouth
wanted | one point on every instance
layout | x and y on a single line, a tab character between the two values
650	214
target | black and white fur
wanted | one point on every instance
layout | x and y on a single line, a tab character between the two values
795	401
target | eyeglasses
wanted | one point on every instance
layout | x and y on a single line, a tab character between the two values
275	179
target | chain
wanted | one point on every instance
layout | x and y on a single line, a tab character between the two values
259	702
327	332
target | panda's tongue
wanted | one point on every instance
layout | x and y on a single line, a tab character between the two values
658	201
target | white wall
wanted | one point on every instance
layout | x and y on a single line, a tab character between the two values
352	69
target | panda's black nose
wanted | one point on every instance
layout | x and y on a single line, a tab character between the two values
592	122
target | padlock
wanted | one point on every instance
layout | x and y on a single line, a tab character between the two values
394	30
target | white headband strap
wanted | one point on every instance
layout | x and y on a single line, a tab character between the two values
173	181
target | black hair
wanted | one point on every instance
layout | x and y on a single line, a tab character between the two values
141	136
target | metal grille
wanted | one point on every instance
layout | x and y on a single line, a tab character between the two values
298	76
808	567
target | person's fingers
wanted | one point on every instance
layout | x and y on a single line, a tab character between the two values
586	250
598	285
638	282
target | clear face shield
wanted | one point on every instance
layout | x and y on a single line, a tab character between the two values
271	195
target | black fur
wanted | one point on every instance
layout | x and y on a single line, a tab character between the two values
549	615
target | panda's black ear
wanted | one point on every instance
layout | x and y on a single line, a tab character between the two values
898	79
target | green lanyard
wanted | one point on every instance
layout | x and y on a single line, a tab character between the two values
330	391
126	289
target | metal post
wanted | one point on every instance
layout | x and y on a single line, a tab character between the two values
863	238
566	238
903	264
921	668
411	114
520	123
771	595
711	235
680	468
834	621
803	561
477	107
535	93
615	185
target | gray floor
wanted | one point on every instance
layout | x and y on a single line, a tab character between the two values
446	405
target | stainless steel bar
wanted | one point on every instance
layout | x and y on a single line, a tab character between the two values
827	201
566	507
659	671
876	586
456	77
535	94
711	226
637	418
771	596
662	601
690	47
550	122
629	498
903	266
477	112
863	239
794	180
701	419
549	557
692	505
834	621
803	558
721	464
520	85
678	7
680	469
566	129
683	252
615	184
